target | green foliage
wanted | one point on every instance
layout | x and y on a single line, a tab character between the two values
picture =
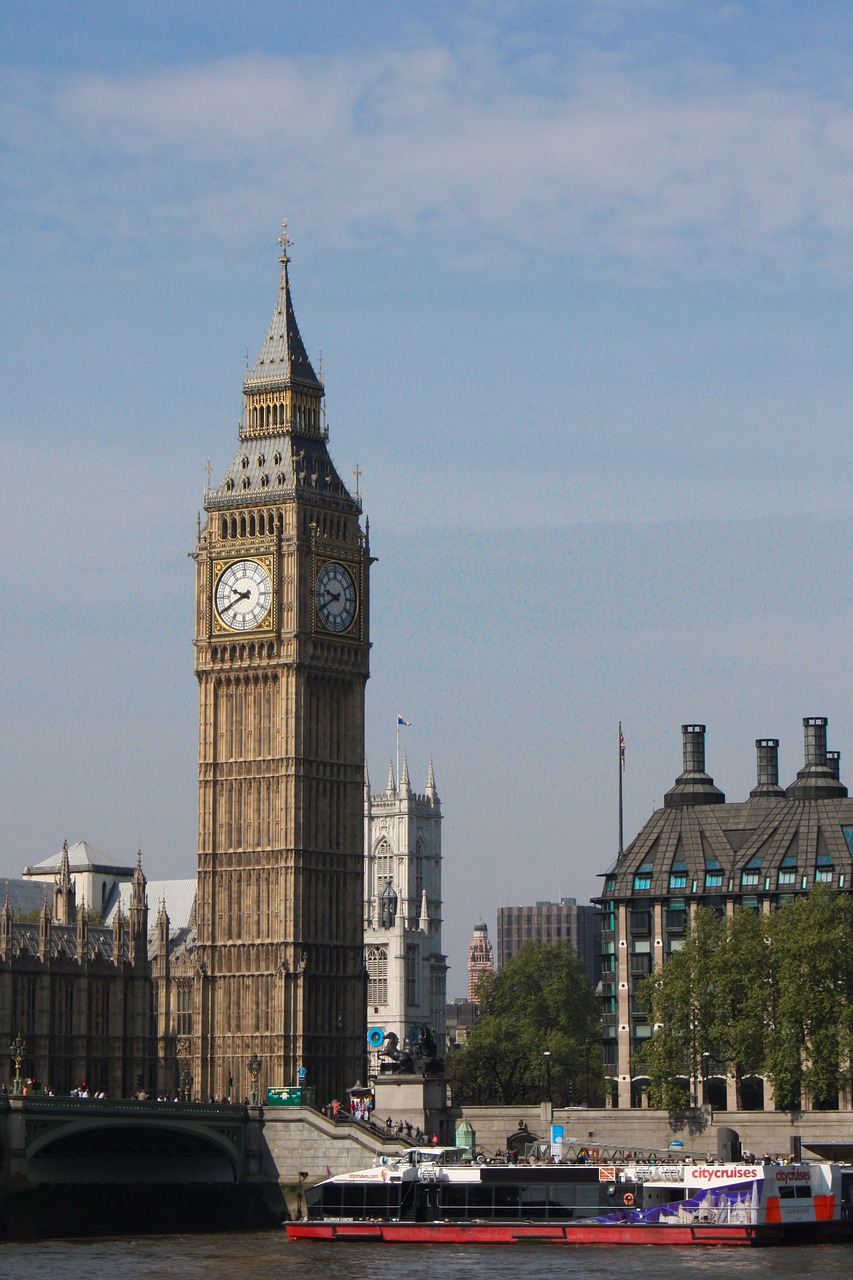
33	917
766	994
683	1002
539	1031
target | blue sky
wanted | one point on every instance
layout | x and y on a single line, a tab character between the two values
580	278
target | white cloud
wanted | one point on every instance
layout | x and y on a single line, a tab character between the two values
697	170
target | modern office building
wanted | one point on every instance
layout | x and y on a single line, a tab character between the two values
700	849
563	921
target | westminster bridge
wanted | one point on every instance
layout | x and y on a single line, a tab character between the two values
72	1166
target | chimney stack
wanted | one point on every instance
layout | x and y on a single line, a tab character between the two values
693	786
818	778
814	733
767	769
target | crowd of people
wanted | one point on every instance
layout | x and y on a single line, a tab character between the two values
361	1111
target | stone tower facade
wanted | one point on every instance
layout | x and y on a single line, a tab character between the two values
481	958
407	971
281	656
76	991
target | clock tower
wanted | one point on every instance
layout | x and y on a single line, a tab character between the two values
281	656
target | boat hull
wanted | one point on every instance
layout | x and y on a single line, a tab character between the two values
581	1233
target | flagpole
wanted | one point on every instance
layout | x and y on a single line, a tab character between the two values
397	783
621	759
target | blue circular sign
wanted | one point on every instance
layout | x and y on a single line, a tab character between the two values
375	1037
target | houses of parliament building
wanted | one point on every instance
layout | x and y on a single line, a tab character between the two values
271	959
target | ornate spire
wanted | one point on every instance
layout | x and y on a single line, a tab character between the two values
64	867
44	928
64	892
405	785
138	884
430	786
163	924
283	359
118	936
6	920
138	950
83	933
423	923
390	786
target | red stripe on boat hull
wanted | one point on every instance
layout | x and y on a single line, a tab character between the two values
579	1233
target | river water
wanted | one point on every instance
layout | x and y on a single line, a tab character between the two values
270	1256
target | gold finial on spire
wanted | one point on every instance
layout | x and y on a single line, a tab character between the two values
209	470
358	474
285	241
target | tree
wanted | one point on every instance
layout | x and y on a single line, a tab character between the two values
681	998
740	992
539	1017
811	997
769	994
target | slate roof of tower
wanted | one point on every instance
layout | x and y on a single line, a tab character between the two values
282	358
268	468
179	895
82	856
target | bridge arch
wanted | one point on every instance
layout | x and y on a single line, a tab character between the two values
126	1150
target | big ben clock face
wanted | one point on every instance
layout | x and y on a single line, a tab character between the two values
335	597
243	595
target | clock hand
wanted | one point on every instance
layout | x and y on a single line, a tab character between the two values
241	595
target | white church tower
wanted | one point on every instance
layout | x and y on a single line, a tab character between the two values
406	969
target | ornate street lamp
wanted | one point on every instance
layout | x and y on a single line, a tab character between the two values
254	1065
547	1056
187	1083
17	1051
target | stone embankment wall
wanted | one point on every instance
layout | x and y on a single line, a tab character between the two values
761	1132
304	1141
298	1140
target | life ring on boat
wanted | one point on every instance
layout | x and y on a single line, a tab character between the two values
628	1198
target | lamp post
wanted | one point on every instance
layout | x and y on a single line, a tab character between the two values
706	1060
303	1174
587	1045
187	1083
547	1056
254	1065
17	1051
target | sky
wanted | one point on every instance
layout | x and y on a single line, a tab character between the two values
579	279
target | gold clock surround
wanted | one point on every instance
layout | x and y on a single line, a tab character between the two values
353	632
220	566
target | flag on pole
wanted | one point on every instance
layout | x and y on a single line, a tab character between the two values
622	750
407	723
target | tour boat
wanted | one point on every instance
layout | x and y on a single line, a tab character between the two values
437	1195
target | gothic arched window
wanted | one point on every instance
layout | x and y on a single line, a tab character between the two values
384	863
377	975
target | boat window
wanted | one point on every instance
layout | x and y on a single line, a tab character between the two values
801	1192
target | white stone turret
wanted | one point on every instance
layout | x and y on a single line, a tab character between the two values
407	971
